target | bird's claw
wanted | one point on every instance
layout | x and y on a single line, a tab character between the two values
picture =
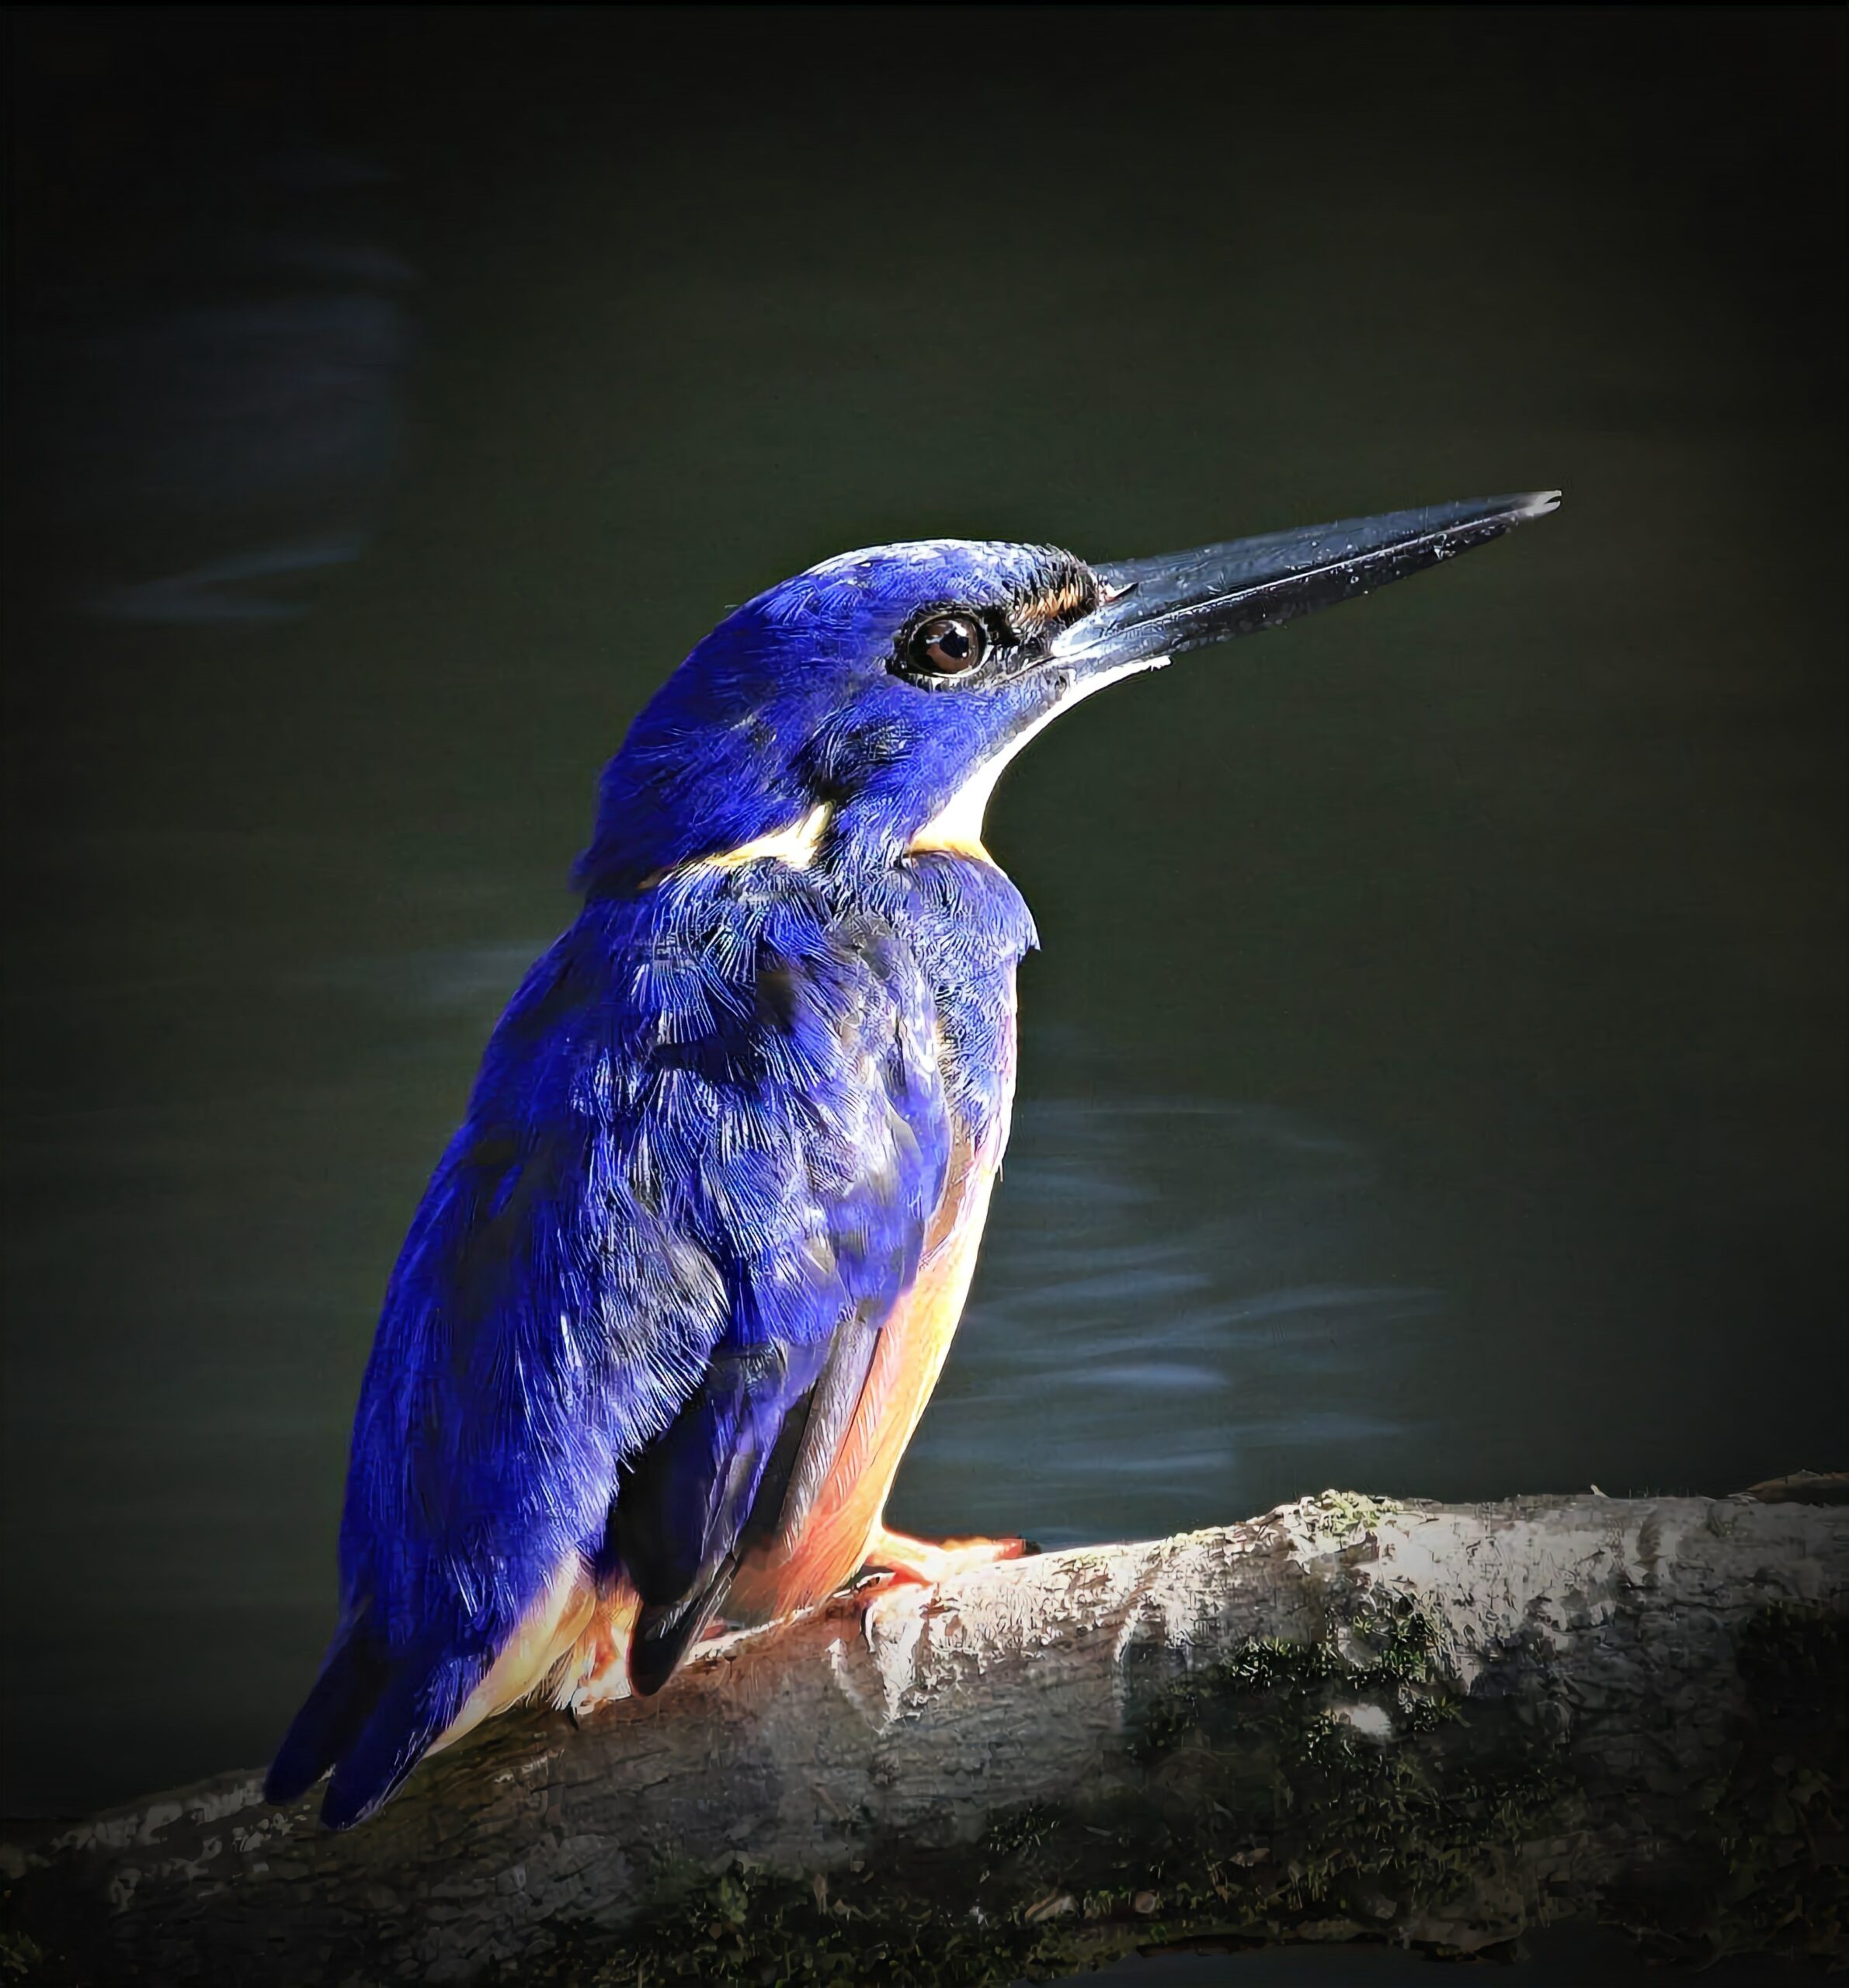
900	1560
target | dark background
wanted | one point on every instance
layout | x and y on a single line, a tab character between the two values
1433	1079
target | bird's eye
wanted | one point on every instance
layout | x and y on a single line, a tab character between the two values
947	645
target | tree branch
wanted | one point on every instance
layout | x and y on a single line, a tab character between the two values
1435	1725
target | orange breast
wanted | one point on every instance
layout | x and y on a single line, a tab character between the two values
913	1343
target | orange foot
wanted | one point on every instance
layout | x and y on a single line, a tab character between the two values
928	1562
603	1665
601	1673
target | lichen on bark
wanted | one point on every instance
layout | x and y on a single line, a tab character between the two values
1338	1788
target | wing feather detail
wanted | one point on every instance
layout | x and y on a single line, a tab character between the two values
832	1408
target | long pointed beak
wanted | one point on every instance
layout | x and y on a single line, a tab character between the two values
1158	607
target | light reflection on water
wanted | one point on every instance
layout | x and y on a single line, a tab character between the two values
222	410
1179	1306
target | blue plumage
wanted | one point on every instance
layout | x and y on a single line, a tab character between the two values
641	1297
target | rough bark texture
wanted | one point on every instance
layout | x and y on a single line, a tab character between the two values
1429	1724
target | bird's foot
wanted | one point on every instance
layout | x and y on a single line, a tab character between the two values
603	1671
928	1562
604	1678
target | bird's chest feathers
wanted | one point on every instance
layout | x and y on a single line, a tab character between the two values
968	927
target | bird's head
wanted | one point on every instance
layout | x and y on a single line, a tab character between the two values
867	706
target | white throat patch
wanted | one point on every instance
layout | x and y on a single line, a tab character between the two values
956	827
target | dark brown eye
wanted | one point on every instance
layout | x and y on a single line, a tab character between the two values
947	644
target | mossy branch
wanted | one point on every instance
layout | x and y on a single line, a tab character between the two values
1351	1719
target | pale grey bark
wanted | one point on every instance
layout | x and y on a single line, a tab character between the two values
1431	1724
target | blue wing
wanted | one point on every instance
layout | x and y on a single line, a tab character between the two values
695	1170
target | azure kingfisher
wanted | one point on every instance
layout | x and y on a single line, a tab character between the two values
682	1284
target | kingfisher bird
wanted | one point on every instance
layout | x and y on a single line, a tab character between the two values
682	1284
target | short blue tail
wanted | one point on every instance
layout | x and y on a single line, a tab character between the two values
371	1718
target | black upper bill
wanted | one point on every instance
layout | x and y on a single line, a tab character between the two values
1161	606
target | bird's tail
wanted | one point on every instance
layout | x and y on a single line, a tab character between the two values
371	1717
353	1676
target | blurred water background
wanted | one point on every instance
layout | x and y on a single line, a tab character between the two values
1433	1080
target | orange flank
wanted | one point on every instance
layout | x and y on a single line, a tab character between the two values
565	1615
573	1640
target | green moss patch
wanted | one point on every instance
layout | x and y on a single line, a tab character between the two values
1326	1790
